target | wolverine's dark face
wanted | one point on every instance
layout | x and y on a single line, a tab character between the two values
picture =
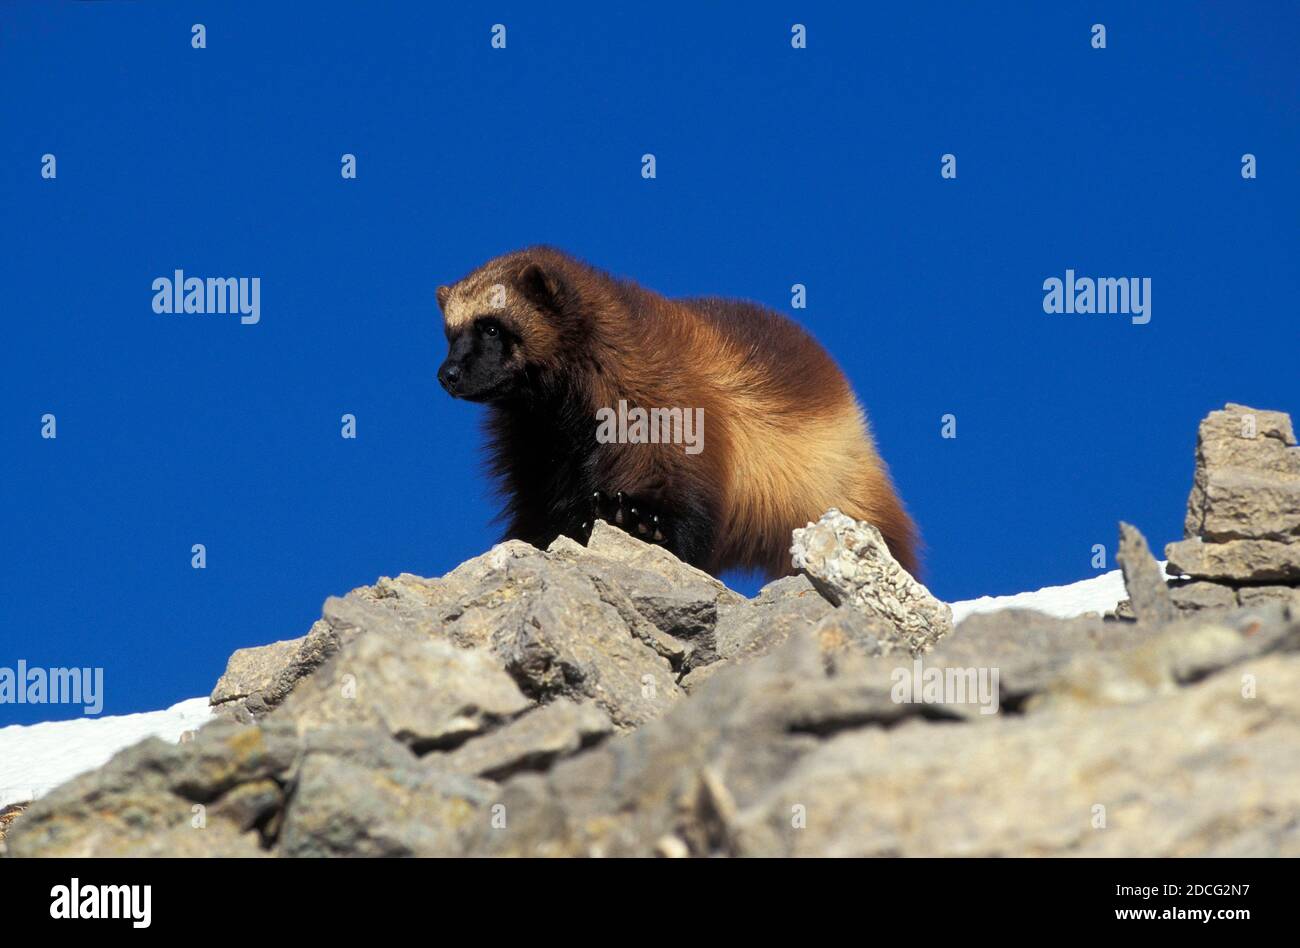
484	361
499	320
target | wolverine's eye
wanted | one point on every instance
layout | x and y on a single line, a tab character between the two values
487	326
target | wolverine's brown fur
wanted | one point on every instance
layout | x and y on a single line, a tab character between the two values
785	439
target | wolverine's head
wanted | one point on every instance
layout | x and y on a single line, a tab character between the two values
504	322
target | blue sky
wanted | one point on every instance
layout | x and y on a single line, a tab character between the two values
775	166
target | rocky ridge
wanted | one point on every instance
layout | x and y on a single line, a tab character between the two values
610	700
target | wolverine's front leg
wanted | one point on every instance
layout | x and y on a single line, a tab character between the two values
637	517
685	530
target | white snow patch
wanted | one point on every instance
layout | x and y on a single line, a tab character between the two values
36	758
1099	594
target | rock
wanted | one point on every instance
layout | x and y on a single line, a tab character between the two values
8	814
1237	506
1198	596
796	587
1197	647
1180	653
1243	514
463	607
747	723
1247	480
614	624
758	626
1237	561
427	694
845	632
848	561
1197	771
343	806
533	741
781	756
611	543
610	700
564	640
1031	651
208	797
664	644
1143	578
254	670
258	679
678	600
784	754
1250	596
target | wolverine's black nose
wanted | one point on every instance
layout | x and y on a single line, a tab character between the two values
449	376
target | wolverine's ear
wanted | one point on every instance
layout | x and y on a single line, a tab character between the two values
442	294
539	286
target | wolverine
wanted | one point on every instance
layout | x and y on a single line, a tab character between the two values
552	346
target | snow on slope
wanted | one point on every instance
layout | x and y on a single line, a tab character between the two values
39	757
1099	594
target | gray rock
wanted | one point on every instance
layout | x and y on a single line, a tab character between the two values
625	795
848	561
678	600
259	679
564	640
610	700
757	626
254	670
781	756
1143	578
1236	561
1198	596
845	632
425	693
614	625
404	807
533	741
462	607
795	587
1199	646
206	797
1247	480
611	543
1262	595
1032	652
1193	772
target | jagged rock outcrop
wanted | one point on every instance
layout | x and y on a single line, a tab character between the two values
1143	578
849	562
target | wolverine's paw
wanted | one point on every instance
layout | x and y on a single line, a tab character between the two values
629	514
